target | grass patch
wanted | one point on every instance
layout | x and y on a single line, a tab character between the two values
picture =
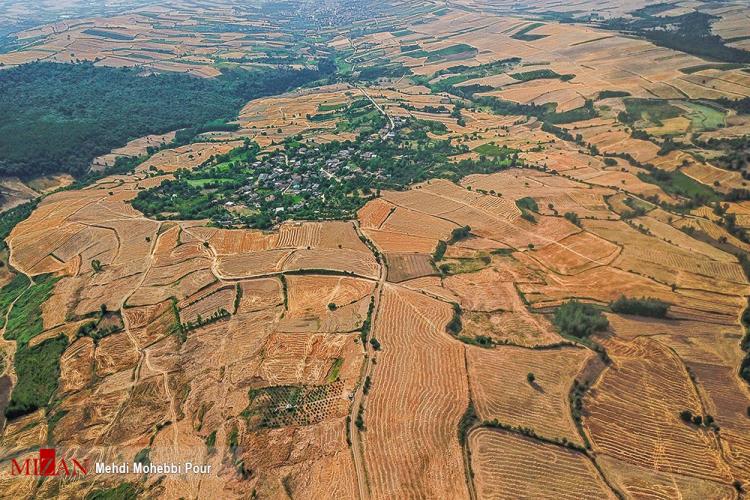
491	150
11	292
331	107
650	110
204	183
704	117
524	35
333	373
111	35
25	318
452	50
679	184
465	265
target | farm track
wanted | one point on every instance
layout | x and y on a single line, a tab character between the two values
358	454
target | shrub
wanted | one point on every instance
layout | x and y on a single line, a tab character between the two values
579	320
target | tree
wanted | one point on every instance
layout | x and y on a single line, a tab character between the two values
644	306
96	266
686	416
573	218
332	306
530	378
579	320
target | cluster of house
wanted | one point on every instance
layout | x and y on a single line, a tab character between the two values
302	173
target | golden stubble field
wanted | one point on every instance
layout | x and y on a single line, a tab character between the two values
237	351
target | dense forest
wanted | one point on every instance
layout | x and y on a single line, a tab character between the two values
59	117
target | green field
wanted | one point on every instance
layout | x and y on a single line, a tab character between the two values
650	110
201	183
331	107
720	66
25	318
11	292
677	183
524	35
704	117
491	150
453	50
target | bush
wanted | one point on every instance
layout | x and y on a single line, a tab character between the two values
460	233
644	306
580	320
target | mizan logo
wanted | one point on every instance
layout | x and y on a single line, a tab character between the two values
47	464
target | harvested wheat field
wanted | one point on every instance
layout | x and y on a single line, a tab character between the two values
508	465
500	390
660	445
403	267
430	405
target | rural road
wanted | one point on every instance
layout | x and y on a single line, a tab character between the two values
391	124
357	449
